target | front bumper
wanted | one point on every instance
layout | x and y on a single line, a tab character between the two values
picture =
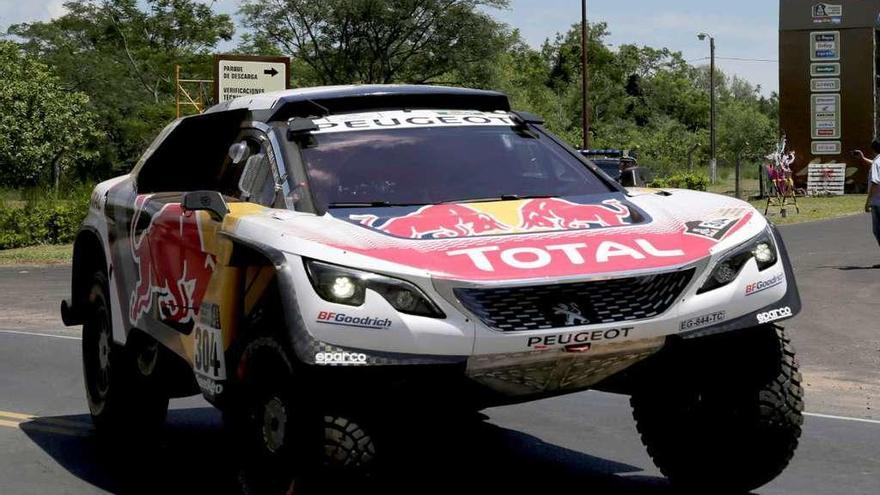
507	363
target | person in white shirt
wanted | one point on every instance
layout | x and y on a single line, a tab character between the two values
872	204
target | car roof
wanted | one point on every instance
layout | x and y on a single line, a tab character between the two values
319	101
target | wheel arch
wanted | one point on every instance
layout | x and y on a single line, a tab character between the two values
88	258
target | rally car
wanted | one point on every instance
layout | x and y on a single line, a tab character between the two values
317	260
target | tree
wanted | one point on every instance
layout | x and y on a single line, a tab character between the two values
379	41
744	132
122	54
44	129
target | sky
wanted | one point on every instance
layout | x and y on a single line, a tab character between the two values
743	29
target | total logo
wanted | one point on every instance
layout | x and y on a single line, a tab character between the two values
762	285
488	258
547	341
341	358
331	318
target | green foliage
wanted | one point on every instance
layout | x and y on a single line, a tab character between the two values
682	180
45	129
378	41
41	223
122	54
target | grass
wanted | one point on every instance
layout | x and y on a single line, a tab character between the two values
37	255
813	209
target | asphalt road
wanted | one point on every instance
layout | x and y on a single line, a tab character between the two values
585	441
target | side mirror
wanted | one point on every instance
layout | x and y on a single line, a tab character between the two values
210	201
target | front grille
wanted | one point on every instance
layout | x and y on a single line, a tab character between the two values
514	309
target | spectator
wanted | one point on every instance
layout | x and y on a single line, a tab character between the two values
872	204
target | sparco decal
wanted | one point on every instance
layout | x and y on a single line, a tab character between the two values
703	321
331	318
341	358
546	341
488	258
762	285
774	314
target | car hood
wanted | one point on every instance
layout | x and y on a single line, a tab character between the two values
547	238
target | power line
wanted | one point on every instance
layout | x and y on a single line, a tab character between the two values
748	59
735	59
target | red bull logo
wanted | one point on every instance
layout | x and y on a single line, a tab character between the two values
437	222
559	214
172	267
534	215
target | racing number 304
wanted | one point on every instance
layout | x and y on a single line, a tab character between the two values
207	352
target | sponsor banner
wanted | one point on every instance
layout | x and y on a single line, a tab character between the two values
824	70
825	109
774	314
342	319
410	120
830	85
703	321
825	46
826	13
762	285
827	147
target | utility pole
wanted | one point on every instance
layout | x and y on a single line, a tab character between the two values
585	76
713	160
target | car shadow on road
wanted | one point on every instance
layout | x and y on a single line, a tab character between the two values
194	455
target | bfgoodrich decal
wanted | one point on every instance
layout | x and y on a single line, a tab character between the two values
332	318
762	285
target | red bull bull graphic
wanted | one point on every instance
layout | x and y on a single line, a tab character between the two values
560	214
172	267
437	222
534	215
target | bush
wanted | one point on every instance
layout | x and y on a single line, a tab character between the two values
41	223
682	180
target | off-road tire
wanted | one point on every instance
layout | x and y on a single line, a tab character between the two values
121	406
271	418
723	413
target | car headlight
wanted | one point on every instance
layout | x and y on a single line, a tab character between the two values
349	286
762	249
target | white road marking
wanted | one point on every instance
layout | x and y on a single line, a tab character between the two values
17	332
843	418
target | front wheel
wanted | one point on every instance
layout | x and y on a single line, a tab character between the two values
723	413
120	404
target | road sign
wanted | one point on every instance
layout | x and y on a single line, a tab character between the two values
244	75
824	45
825	111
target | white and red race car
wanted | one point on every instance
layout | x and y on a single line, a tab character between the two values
333	252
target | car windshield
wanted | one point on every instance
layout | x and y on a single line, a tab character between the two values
430	165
